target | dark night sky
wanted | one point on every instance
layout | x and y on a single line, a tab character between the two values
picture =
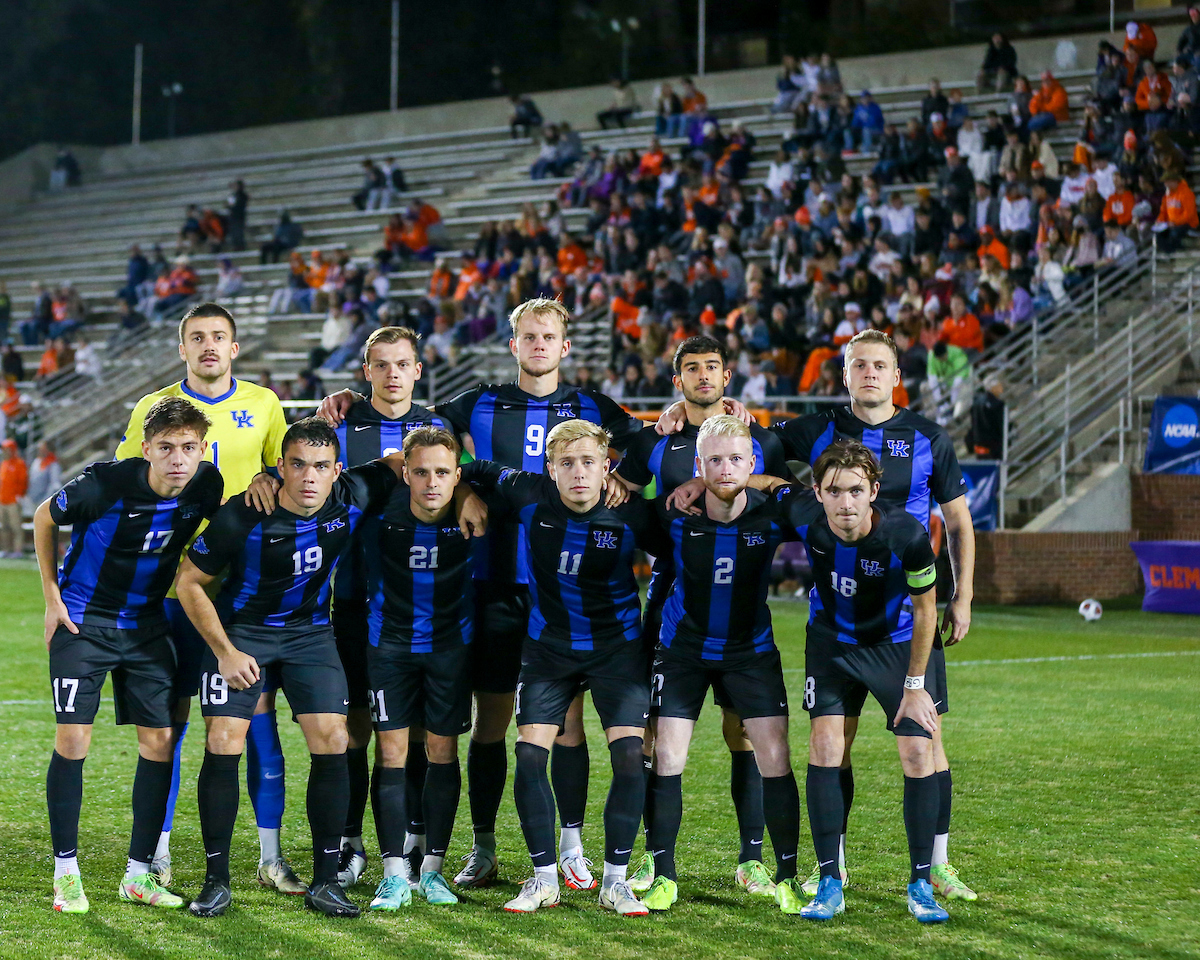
66	66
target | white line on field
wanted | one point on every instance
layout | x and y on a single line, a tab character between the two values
1083	656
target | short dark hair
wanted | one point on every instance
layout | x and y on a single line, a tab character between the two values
431	436
174	413
204	311
847	455
391	335
694	345
313	432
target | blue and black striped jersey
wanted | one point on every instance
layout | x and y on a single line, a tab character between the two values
862	589
579	566
126	540
718	606
280	563
418	578
917	456
366	435
509	426
671	461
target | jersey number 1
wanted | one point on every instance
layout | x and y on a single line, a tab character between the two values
846	586
309	563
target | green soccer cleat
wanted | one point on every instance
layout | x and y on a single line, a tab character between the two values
146	889
947	884
752	877
662	894
787	895
393	893
68	894
435	890
643	874
814	880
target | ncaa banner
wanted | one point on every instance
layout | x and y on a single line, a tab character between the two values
1171	569
1174	442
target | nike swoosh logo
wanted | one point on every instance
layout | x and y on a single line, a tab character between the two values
922	866
815	550
277	539
824	863
211	855
756	843
345	703
783	703
680	447
272	776
506	406
548	526
367	427
623	852
695	533
787	856
132	515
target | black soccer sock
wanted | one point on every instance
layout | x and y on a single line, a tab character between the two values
846	777
945	795
823	791
373	792
443	784
328	794
535	802
487	769
217	793
360	788
920	821
64	798
390	817
623	810
649	776
781	802
415	768
746	788
664	828
151	784
569	770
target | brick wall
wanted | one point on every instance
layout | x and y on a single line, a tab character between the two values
1016	567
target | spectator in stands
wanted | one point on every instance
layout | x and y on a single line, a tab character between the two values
866	125
212	228
961	328
1014	157
191	234
986	208
1048	107
41	315
1014	305
181	283
1188	44
1177	215
394	183
525	116
284	239
948	378
914	152
1110	77
229	279
308	387
955	183
545	164
789	86
1153	81
1118	208
236	205
829	77
14	482
370	194
87	361
137	272
1119	250
65	172
130	322
13	367
999	65
985	435
1016	217
1018	103
624	105
1140	38
1048	286
668	114
934	102
45	477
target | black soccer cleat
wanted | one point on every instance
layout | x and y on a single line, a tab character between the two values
329	898
214	899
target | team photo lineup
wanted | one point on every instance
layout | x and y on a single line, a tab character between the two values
392	588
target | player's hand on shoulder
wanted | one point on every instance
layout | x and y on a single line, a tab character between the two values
671	420
262	493
240	670
472	513
683	498
615	491
956	621
334	407
918	705
56	616
735	408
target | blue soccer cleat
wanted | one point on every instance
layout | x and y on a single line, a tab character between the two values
828	902
922	905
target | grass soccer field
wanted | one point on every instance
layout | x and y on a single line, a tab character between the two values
1074	748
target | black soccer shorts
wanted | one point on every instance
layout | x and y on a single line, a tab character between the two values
855	699
308	666
142	664
190	649
750	684
552	675
430	690
501	626
350	632
838	673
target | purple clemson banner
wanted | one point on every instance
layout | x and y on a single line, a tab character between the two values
1171	569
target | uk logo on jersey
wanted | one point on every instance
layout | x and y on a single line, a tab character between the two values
605	539
61	500
754	539
871	568
188	512
334	525
898	448
200	546
242	418
564	410
451	531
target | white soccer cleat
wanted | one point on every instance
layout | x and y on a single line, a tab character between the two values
619	898
576	870
481	870
535	894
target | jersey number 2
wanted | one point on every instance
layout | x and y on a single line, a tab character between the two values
723	570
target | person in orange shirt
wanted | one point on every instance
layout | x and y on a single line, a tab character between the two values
468	276
710	190
625	317
1153	81
1049	107
414	240
694	102
442	281
570	255
14	481
1118	208
961	329
1141	38
990	245
1177	215
651	163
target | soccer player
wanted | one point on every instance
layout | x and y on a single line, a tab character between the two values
716	629
584	628
273	610
872	620
509	423
247	427
418	580
131	520
919	467
701	375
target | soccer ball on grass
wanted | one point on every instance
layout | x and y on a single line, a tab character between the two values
1091	609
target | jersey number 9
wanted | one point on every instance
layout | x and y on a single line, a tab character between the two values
535	437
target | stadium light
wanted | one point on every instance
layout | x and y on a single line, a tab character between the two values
171	91
625	29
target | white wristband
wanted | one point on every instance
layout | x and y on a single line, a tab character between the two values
914	683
